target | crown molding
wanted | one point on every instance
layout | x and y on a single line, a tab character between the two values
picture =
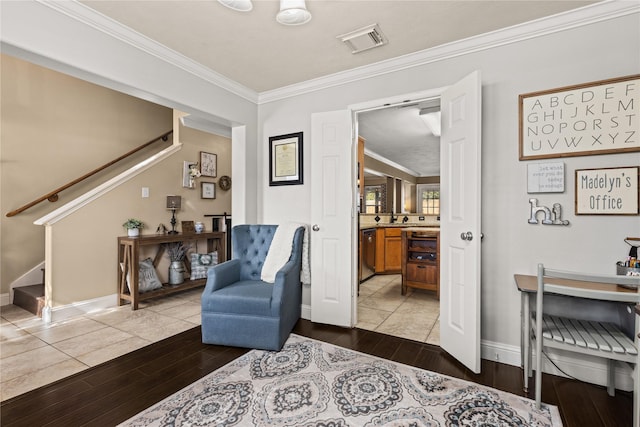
388	162
597	12
112	28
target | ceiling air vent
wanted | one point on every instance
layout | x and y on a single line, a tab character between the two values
364	38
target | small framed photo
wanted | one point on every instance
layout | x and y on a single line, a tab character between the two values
187	180
208	164
285	159
188	227
207	190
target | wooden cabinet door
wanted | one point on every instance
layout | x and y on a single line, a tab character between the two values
392	254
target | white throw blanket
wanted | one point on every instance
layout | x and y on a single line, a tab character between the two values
280	252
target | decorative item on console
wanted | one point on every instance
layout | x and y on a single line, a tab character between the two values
176	253
173	203
133	227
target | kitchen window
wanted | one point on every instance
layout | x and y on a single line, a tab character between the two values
375	198
428	196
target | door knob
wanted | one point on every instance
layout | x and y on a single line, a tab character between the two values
466	236
315	227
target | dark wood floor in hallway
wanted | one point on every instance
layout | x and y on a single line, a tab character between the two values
116	390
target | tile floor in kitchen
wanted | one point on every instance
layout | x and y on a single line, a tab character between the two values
382	308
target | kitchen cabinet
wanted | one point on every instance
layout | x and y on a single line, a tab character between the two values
388	250
421	260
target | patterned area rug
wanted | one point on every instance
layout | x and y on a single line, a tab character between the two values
312	383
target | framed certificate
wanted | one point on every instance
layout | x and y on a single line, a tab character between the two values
285	159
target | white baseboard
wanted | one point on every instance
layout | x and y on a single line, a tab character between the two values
501	353
64	312
5	299
306	312
585	368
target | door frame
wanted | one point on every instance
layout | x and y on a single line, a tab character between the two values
355	109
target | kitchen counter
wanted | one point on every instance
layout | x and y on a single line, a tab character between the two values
399	225
427	231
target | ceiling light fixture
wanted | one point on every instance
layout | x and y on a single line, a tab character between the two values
239	5
293	12
431	117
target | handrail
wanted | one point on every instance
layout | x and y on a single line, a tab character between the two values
53	195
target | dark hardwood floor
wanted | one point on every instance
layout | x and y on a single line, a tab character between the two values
110	393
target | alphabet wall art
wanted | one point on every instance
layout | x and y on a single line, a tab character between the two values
593	118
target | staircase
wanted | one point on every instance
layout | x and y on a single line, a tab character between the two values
31	298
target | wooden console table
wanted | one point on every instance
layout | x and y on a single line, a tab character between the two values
129	258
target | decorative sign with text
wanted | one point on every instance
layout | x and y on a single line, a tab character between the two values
545	177
612	191
592	118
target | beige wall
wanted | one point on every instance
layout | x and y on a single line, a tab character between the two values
55	128
80	275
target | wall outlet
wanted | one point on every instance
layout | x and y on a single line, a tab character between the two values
421	218
145	192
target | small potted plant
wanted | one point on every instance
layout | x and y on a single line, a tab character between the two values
133	227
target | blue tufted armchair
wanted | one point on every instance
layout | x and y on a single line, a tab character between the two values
238	308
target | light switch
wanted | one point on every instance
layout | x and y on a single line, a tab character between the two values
145	192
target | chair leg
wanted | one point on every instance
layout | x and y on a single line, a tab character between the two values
538	380
636	394
611	377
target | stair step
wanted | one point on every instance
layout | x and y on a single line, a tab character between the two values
31	298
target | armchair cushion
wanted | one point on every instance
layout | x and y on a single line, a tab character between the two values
243	297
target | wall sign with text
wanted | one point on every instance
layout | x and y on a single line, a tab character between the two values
610	191
545	177
593	118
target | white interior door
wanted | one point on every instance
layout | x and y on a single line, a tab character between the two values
460	221
332	202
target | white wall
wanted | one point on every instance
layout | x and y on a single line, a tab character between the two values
592	243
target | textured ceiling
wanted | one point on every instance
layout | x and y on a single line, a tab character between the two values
254	50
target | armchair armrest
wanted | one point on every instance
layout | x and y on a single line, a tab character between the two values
222	275
287	286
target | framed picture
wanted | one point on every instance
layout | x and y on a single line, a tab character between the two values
187	180
285	159
207	190
609	191
188	227
208	164
601	117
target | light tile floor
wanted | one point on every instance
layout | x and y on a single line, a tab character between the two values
382	308
33	354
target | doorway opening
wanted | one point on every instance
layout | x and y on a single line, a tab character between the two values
398	189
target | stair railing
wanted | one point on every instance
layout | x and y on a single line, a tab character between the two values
53	195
